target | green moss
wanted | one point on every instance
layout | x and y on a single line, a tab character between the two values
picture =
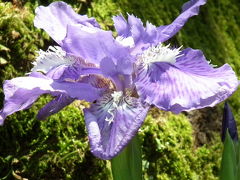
56	148
169	152
103	11
18	37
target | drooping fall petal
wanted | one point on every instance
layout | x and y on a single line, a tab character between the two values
110	127
190	83
22	92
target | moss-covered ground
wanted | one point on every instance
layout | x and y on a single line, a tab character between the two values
185	146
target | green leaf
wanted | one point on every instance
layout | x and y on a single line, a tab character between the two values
238	158
128	164
229	162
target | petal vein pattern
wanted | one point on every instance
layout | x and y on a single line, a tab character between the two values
107	139
190	83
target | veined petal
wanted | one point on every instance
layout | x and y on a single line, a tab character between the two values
55	18
22	92
189	9
190	83
92	45
111	125
54	106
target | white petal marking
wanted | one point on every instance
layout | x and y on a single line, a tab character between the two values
51	58
159	53
126	42
116	98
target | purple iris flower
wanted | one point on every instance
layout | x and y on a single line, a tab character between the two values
121	76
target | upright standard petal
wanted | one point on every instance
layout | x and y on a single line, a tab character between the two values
121	25
92	45
133	34
144	37
120	73
190	83
112	122
55	18
22	92
189	9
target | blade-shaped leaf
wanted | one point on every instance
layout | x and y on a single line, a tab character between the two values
229	162
237	145
128	164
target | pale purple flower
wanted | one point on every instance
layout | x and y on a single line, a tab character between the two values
121	76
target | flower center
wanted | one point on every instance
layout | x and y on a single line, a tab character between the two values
116	95
160	53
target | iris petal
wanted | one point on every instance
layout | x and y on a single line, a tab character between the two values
108	138
92	44
22	92
189	9
190	83
121	26
151	35
120	73
54	106
73	73
133	28
55	18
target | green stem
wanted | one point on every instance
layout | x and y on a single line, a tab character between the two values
128	164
